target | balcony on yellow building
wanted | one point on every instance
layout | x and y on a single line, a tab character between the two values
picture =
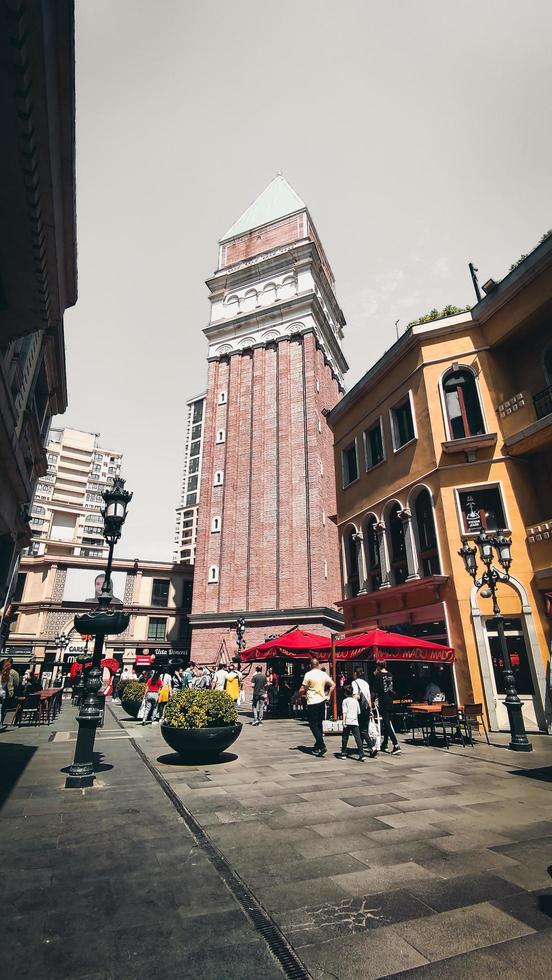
526	421
539	539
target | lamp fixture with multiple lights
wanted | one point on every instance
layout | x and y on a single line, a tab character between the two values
498	543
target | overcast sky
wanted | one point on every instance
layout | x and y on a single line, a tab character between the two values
417	132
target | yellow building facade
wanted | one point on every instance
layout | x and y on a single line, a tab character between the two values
450	433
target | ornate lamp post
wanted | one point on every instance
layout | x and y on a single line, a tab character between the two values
100	623
61	641
240	640
487	584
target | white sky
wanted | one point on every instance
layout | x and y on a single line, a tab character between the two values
418	132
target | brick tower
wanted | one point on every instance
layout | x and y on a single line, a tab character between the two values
266	548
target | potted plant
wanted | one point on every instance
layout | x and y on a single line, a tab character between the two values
200	724
132	697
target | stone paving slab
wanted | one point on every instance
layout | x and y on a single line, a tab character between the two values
433	863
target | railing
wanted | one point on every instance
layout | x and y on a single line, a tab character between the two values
543	402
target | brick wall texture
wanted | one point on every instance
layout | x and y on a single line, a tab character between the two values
276	548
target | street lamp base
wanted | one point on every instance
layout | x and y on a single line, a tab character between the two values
81	772
520	747
79	782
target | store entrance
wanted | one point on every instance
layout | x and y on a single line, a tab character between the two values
521	669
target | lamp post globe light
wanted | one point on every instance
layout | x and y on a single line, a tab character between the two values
99	623
240	638
61	641
487	583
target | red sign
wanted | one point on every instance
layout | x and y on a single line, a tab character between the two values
143	660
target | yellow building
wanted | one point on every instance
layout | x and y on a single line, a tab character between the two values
450	432
51	590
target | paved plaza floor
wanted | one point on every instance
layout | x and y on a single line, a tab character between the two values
273	863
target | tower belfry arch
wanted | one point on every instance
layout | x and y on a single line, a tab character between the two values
274	350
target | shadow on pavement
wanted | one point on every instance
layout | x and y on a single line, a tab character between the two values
14	759
174	759
544	773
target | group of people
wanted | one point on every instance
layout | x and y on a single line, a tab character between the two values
356	709
160	686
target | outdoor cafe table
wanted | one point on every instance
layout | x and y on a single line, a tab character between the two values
430	711
45	694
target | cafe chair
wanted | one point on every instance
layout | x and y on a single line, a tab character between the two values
30	710
473	715
450	720
415	721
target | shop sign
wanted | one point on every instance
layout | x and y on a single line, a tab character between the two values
472	516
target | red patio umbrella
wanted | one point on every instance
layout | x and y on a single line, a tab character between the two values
380	645
295	645
111	664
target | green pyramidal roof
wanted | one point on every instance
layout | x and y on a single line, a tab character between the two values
276	201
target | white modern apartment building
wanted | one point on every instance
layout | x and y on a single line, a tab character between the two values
185	534
66	509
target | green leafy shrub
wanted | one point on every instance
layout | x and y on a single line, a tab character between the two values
121	687
439	314
200	709
133	693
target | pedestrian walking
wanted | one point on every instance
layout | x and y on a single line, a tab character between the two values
259	695
219	679
177	679
272	689
317	688
233	683
351	715
383	689
153	687
204	679
164	695
361	689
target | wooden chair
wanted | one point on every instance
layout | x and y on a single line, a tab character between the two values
450	719
30	710
473	715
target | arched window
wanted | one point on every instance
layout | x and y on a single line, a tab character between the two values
427	538
215	525
350	551
464	413
213	574
371	553
397	545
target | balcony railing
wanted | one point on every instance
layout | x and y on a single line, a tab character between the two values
543	402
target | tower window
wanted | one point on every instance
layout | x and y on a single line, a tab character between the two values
213	574
219	478
222	398
221	436
215	525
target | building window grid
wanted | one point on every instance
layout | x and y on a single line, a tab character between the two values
374	449
349	457
402	422
157	628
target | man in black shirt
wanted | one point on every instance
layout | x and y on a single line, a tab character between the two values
259	693
382	688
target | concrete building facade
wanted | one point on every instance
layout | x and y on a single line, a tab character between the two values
185	533
266	548
38	279
51	590
66	509
449	433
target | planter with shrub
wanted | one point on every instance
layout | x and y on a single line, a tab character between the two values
132	697
200	724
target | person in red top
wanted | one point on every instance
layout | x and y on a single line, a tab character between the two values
153	686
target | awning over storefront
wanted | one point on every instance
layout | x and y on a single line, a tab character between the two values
294	645
379	645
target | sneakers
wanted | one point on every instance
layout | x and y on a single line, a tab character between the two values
362	758
342	755
396	750
373	753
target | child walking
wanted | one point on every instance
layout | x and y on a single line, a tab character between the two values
351	713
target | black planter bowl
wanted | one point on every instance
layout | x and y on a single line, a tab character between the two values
200	743
131	707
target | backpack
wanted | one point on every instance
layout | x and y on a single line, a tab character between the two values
362	699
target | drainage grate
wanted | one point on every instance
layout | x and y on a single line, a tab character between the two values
274	938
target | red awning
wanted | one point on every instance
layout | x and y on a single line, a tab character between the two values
379	645
295	645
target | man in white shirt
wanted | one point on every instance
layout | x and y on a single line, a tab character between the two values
361	690
317	688
219	680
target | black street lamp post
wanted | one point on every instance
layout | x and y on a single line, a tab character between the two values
61	641
240	638
99	623
487	584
